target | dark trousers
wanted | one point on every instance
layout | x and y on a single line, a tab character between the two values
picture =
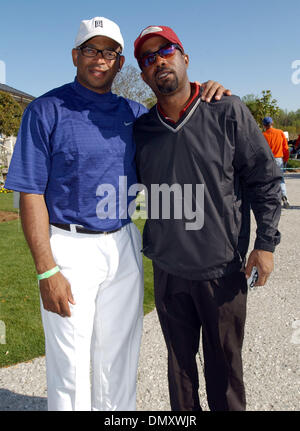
219	308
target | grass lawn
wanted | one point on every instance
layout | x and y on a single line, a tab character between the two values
293	163
6	202
19	294
19	298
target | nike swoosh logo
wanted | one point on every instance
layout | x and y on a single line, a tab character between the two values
127	124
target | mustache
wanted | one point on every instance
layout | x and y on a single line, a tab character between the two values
162	69
98	69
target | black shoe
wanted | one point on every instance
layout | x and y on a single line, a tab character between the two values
286	204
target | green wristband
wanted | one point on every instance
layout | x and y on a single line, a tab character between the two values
48	274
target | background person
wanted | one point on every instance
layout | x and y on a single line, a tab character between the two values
199	278
280	149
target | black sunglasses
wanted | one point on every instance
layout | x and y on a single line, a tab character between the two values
164	52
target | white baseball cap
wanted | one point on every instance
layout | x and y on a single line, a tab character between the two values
98	26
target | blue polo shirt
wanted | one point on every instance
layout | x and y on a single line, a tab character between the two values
76	148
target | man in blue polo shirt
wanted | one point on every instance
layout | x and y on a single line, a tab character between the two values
73	141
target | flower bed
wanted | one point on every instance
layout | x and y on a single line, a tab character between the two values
4	190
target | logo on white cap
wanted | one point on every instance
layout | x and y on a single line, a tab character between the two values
98	26
150	30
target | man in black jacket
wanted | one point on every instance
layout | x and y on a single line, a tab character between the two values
212	157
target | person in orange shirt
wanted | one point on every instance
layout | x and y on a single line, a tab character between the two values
279	146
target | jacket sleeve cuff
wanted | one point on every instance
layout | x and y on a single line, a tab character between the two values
261	245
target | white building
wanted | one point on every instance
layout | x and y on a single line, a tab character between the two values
19	96
6	150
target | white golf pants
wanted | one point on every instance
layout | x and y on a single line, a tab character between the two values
105	328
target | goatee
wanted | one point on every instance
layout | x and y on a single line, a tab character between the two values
169	86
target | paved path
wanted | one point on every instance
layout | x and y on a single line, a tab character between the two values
271	349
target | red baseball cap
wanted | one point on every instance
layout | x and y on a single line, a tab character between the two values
155	30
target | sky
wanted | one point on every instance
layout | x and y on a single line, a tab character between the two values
248	46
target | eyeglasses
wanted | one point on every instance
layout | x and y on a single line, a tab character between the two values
164	52
107	54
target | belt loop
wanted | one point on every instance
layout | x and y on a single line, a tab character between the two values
73	228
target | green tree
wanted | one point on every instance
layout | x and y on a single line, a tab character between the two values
288	121
151	101
128	83
250	102
265	107
10	115
261	107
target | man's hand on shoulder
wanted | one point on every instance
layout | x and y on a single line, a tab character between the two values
264	262
213	89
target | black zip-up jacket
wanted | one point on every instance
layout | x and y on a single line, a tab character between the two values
219	145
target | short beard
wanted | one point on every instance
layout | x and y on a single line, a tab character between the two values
168	87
